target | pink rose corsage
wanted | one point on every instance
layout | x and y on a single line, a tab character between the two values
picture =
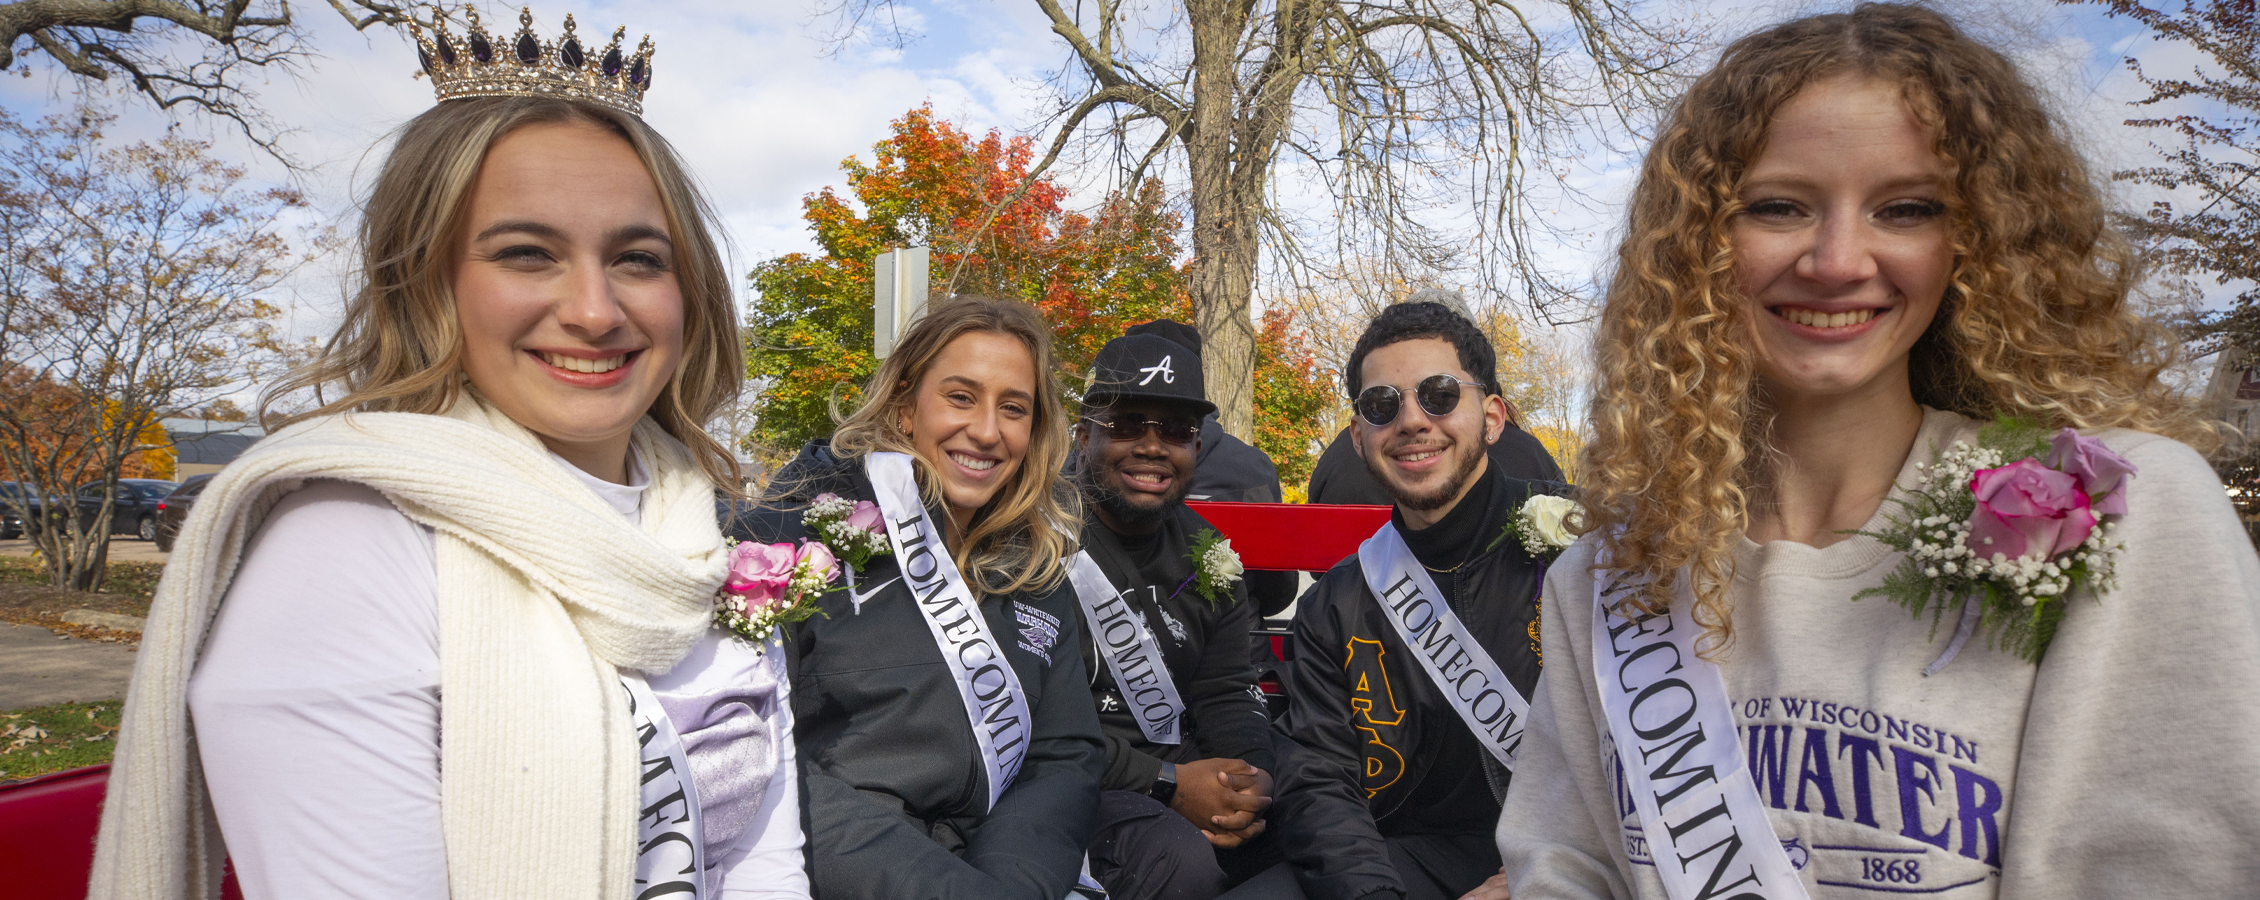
772	585
851	527
2007	530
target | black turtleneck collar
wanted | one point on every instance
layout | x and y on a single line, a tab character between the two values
1447	543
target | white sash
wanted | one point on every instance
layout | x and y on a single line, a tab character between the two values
1466	675
670	840
1706	827
1128	647
994	702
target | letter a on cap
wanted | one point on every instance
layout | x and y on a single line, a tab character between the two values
1162	369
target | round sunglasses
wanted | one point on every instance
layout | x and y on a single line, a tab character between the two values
1125	428
1438	395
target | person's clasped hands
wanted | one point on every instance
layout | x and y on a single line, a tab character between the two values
1225	798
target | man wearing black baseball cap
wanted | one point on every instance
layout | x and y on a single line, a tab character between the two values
1188	743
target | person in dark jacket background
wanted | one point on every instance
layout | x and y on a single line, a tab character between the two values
1231	470
1386	789
1340	475
1189	755
963	432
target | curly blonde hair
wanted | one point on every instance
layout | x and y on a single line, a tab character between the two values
1018	540
2035	321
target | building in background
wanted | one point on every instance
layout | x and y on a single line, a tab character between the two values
202	446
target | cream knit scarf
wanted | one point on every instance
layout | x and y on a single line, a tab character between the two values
544	594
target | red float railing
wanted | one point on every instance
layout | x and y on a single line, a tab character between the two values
47	827
1306	537
47	833
1292	536
47	824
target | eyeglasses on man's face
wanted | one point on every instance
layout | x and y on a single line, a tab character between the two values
1380	404
1174	429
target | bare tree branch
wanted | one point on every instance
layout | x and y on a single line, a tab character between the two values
1439	130
142	300
93	40
2211	154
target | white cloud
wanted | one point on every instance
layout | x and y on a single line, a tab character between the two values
748	93
763	112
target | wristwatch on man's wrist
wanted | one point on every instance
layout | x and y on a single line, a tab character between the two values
1164	788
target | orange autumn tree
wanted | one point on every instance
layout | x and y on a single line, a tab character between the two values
931	184
1294	395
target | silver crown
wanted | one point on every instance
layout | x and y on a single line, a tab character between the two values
476	66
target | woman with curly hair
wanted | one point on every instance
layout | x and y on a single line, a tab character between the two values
1860	248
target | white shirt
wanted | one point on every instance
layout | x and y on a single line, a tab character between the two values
316	703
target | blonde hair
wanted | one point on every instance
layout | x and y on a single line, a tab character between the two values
2035	321
400	347
1016	541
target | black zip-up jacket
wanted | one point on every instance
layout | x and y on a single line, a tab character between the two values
892	784
1377	750
1203	645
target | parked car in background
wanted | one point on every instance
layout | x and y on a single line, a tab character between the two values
30	496
173	510
11	522
133	509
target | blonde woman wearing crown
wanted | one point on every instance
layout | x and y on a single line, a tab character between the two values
450	634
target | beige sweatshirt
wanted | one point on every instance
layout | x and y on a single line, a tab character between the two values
2125	764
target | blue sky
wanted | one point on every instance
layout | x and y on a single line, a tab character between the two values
763	107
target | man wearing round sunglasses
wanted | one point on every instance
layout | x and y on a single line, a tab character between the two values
1340	476
1188	744
1413	659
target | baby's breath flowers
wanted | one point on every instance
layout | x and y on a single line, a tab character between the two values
1542	525
772	585
852	528
2009	527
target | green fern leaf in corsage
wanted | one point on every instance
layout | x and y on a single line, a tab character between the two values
2006	530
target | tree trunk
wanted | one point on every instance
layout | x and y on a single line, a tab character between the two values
1224	226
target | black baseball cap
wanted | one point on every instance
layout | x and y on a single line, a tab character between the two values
1171	329
1147	367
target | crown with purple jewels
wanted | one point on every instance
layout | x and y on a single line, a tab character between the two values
526	66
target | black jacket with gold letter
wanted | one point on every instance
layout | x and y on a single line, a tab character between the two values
1378	750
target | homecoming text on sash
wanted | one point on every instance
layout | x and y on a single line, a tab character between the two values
1131	654
995	704
1671	728
1461	669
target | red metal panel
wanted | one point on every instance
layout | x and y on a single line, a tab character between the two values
47	827
1307	536
47	833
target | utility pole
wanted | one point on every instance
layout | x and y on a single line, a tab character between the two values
898	296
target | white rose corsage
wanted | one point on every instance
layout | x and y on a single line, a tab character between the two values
1215	567
1542	525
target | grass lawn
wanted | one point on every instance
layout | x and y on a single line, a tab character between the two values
26	597
133	581
46	739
